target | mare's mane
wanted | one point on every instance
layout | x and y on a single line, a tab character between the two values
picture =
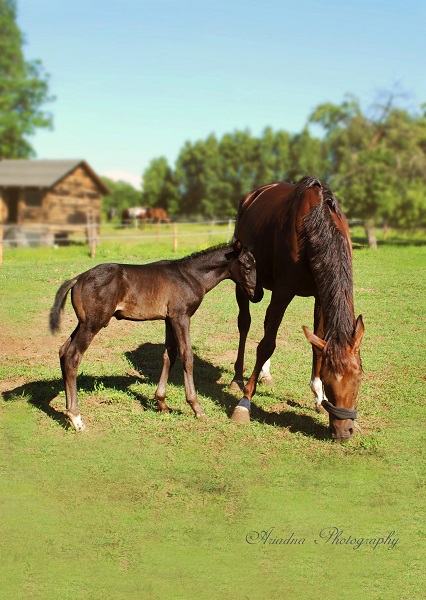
331	265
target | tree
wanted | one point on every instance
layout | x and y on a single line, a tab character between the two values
23	89
307	157
377	161
201	188
159	187
123	195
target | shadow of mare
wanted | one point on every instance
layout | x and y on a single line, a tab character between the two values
147	361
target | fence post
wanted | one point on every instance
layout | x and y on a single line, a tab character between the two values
91	233
175	237
228	237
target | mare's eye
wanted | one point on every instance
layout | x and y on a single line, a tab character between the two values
247	269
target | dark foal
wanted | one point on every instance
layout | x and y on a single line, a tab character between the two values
300	239
170	290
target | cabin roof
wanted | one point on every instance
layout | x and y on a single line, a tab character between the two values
42	173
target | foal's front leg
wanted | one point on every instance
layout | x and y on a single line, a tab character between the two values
169	357
181	330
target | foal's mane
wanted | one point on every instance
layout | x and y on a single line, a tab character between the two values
331	265
204	252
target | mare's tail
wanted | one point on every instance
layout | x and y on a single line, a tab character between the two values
58	305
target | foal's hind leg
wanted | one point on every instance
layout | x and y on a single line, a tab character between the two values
70	355
169	357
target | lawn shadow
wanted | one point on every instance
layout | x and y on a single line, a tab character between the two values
146	361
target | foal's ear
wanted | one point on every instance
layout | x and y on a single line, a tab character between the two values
314	339
358	333
238	246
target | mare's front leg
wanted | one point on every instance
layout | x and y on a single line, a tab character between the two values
316	383
244	322
70	355
169	358
181	330
280	299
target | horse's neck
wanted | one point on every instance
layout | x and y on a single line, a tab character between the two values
209	269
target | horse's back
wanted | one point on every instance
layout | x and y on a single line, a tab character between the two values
270	223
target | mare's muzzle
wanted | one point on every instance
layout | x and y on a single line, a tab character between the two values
342	428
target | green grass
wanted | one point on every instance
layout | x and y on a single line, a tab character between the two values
144	505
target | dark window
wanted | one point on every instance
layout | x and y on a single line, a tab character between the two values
33	197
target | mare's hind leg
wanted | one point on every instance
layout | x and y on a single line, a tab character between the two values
169	358
70	355
316	383
244	322
276	309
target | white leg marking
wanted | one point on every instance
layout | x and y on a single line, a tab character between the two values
265	374
266	370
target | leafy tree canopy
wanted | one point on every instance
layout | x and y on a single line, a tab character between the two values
23	89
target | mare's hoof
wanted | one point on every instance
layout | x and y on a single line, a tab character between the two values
267	380
237	385
241	415
320	409
201	416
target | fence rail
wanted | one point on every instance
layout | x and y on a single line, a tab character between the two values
47	234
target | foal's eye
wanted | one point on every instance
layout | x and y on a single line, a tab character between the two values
247	269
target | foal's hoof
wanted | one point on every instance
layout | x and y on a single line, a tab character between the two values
237	385
320	409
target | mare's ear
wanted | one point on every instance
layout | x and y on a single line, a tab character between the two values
314	339
238	246
358	333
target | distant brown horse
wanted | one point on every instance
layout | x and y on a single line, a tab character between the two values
170	290
300	239
157	215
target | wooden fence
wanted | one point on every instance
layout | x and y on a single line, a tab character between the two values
41	234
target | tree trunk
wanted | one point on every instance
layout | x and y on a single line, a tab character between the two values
371	234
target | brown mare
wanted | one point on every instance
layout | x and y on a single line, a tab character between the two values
170	290
157	215
300	240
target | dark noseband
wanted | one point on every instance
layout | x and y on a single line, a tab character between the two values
339	412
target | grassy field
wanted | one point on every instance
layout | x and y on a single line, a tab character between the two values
144	505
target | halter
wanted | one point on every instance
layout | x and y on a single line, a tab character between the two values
339	412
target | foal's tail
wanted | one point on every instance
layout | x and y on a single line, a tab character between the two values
58	305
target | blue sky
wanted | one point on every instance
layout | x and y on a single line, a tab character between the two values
135	79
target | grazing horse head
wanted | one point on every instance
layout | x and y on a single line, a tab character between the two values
340	374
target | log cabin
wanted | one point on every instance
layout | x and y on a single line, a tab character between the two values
46	200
